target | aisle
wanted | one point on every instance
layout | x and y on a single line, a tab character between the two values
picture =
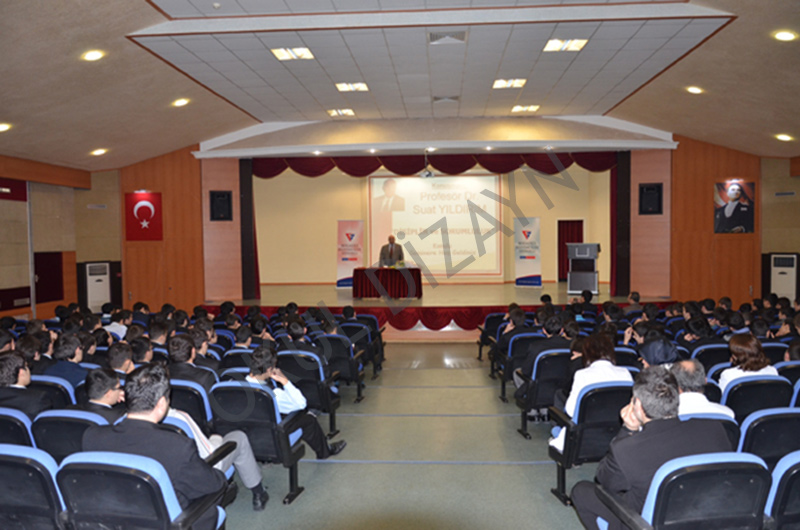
430	447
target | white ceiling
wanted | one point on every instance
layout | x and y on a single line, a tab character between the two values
639	59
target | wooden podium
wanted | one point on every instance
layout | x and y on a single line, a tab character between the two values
582	267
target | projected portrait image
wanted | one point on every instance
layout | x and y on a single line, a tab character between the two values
734	207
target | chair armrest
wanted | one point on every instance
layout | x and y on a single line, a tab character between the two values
289	422
196	508
358	354
522	376
336	375
220	452
625	513
380	331
560	417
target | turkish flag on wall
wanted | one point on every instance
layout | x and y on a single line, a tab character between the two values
143	220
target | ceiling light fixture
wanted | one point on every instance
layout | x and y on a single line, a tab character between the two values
180	102
99	152
373	150
352	87
430	149
694	90
784	137
292	54
93	55
509	83
525	108
569	45
4	127
317	153
785	35
336	113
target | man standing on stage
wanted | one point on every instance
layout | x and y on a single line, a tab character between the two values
391	253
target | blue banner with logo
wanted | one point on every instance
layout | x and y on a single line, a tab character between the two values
349	251
527	260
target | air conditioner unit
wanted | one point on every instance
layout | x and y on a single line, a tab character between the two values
784	275
98	285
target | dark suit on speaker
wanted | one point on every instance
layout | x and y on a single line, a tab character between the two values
390	254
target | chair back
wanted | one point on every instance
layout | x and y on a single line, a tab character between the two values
712	391
597	420
790	370
716	371
550	373
728	423
15	427
491	323
191	398
783	502
711	490
58	389
30	498
237	373
775	351
518	348
626	356
305	371
710	354
60	432
771	434
358	333
748	394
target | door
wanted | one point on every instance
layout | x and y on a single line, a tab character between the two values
568	232
48	268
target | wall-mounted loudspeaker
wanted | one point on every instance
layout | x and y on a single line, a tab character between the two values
221	206
650	201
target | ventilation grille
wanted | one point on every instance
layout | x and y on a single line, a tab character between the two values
446	99
447	37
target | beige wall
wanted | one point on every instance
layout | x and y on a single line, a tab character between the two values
296	222
53	218
97	219
14	270
780	216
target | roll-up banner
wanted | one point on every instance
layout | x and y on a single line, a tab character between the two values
527	260
349	251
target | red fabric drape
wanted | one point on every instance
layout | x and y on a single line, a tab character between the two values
596	162
499	163
544	163
404	165
357	166
452	164
310	167
568	232
612	290
266	168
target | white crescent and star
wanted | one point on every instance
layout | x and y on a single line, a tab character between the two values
147	204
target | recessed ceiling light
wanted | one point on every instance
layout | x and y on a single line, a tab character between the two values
784	137
525	108
569	45
4	127
373	150
335	113
99	152
352	87
292	54
785	35
317	153
694	90
548	148
180	102
509	83
488	147
430	149
93	55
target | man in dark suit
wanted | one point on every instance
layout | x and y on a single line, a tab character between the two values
202	358
147	401
106	396
68	353
651	435
391	253
389	201
14	378
181	356
516	326
736	217
554	339
120	359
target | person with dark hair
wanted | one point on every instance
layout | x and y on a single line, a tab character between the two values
142	350
698	333
707	306
691	378
6	341
599	367
200	313
264	371
181	319
134	332
260	328
232	322
45	361
726	303
34	326
736	325
91	322
225	309
585	304
167	311
160	333
297	340
793	351
553	339
28	346
761	330
14	380
68	353
89	347
119	323
546	299
652	434
747	358
102	338
650	313
633	302
105	393
147	402
516	326
657	349
71	325
790	328
243	337
8	323
120	359
182	355
348	312
200	341
253	312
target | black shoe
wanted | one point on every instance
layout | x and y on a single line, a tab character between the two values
335	448
260	501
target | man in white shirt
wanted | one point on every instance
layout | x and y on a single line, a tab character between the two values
119	323
264	371
691	379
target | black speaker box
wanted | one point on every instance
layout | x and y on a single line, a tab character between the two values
650	202
221	206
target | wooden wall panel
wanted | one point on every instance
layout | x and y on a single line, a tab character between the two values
701	260
794	168
650	234
171	270
21	169
222	242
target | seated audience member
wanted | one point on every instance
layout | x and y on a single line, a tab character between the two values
141	313
707	307
657	349
8	323
691	378
45	360
264	371
167	311
725	303
134	332
585	303
516	326
260	329
599	362
6	341
244	338
102	338
71	325
698	333
202	358
652	434
789	328
181	319
34	326
792	352
160	332
120	359
232	322
182	355
747	358
253	312
105	393
241	458
296	339
554	339
635	335
147	402
107	310
68	353
761	330
736	325
14	379
201	313
119	323
28	346
142	351
89	347
633	303
225	309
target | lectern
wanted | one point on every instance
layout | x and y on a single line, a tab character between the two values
582	267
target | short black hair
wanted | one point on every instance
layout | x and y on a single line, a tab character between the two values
243	333
517	316
134	331
118	353
634	296
158	329
587	295
10	365
199	337
348	312
296	331
262	359
258	324
546	299
6	338
139	348
226	308
99	381
180	349
45	340
65	347
553	325
145	386
28	346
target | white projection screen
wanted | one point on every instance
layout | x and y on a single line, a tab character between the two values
410	206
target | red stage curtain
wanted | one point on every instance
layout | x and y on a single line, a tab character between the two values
543	162
405	319
596	162
612	290
267	168
568	232
357	166
452	164
310	167
436	319
499	163
404	165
